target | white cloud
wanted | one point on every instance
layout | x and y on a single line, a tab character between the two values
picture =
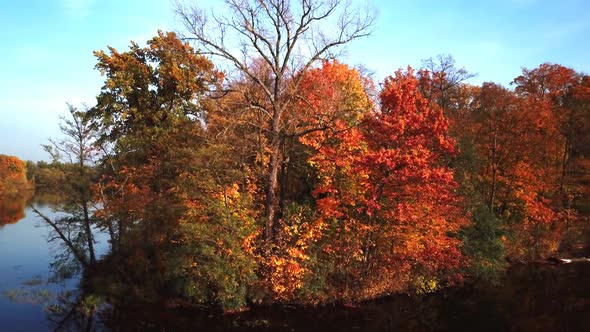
78	9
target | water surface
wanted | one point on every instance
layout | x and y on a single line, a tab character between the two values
25	257
533	297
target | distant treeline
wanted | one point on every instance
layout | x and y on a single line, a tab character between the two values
14	176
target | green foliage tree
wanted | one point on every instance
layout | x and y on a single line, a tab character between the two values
164	173
150	96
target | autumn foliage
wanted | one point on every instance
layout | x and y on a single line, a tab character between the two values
406	186
385	198
13	175
14	184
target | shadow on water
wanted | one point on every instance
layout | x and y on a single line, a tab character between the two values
529	298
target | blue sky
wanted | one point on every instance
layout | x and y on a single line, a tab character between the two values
47	48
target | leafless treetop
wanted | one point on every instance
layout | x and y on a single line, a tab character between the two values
288	35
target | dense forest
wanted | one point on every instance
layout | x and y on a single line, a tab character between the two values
289	176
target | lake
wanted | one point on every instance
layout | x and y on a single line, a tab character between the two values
534	297
29	288
25	255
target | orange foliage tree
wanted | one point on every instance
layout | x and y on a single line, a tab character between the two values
13	174
297	186
385	197
543	183
525	144
151	95
331	99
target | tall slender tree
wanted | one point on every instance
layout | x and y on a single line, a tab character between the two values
76	149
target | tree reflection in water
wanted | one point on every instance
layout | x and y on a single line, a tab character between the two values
72	312
12	207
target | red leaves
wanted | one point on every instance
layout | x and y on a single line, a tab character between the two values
523	141
406	115
546	81
385	179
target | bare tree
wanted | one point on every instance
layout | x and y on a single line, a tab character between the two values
77	149
445	78
289	36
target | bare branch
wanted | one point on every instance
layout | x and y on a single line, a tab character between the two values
289	40
75	251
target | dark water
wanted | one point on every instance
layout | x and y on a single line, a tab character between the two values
527	298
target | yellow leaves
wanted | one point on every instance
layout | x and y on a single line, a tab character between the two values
287	261
286	276
233	191
250	244
425	285
228	195
297	254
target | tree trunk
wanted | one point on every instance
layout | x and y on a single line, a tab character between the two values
114	241
89	236
494	172
77	254
272	189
